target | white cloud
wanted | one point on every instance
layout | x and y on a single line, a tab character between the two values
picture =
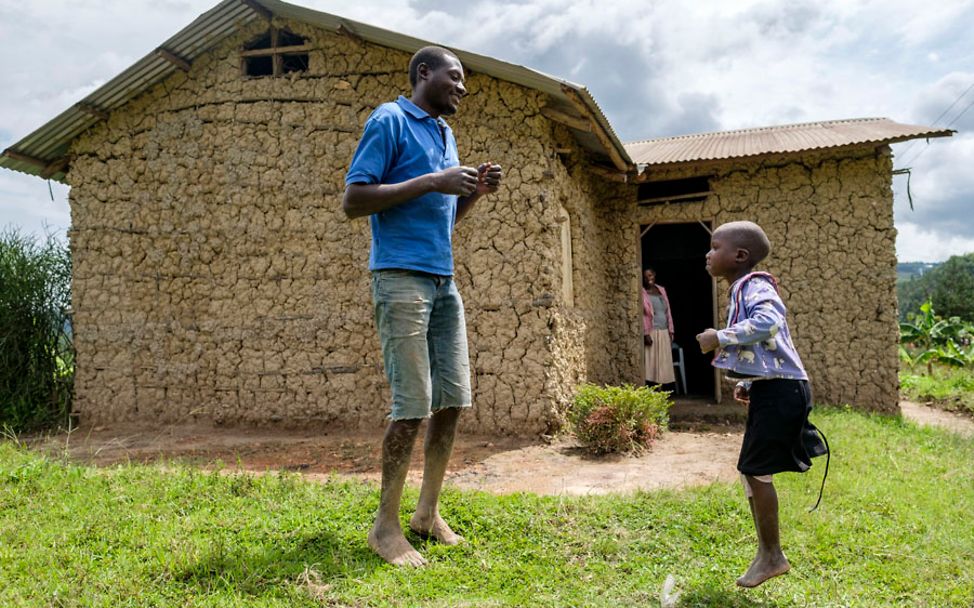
916	244
656	68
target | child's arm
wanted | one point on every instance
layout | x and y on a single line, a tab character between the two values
765	318
708	340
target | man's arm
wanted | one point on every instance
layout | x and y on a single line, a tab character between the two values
488	180
365	199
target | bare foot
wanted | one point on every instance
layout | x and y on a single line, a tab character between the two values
437	528
393	547
763	568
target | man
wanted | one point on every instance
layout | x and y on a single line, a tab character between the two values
406	176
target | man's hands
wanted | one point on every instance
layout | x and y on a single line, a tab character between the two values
466	181
708	340
461	181
488	178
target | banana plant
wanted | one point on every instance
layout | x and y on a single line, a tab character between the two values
928	339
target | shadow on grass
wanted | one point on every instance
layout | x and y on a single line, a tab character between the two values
721	597
264	565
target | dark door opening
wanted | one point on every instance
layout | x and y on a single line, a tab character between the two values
678	254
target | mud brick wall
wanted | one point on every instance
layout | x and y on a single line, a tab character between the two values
830	221
216	277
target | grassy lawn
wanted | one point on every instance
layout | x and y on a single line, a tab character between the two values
894	530
950	388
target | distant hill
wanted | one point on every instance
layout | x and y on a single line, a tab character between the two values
908	270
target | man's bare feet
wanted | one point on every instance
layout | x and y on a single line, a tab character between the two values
763	568
392	546
434	527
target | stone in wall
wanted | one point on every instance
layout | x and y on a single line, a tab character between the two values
217	279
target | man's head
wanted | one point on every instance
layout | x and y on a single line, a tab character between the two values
436	76
736	248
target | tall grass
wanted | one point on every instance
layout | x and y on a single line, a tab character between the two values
36	358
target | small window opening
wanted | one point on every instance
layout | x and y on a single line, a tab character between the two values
274	53
295	63
260	66
686	190
260	42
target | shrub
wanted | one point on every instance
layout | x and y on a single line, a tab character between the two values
621	419
36	358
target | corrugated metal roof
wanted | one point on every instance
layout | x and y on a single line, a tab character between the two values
50	142
784	139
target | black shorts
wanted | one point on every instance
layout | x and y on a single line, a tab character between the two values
777	423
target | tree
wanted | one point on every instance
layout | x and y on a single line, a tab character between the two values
949	287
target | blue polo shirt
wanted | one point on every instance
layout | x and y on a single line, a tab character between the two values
401	141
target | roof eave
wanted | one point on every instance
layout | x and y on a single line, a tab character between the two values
647	167
49	143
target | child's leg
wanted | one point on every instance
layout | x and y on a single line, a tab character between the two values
770	561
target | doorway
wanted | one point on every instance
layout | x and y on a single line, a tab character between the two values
677	252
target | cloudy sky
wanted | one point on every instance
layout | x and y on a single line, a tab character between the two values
657	68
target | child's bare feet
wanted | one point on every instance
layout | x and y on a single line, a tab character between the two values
762	568
392	546
434	527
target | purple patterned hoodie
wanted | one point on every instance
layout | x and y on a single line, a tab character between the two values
757	341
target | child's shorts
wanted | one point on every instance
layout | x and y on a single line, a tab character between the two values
777	418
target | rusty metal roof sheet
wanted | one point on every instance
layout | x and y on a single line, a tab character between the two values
784	139
49	143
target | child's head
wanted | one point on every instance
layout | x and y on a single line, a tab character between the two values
736	248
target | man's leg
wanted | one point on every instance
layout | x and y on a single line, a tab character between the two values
386	537
439	445
450	381
402	306
770	561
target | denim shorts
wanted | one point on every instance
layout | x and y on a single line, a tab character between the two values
424	341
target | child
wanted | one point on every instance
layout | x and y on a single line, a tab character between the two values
756	348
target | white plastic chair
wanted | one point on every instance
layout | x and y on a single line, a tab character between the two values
679	368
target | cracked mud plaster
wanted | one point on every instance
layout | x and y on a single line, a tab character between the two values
216	277
830	221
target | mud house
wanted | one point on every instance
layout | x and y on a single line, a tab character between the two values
216	278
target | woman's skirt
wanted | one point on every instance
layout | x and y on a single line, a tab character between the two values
659	358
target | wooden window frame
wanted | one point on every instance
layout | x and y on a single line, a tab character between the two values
275	52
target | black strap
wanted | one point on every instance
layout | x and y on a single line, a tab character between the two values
828	457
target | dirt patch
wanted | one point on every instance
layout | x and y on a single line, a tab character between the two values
695	455
319	452
931	416
500	465
677	459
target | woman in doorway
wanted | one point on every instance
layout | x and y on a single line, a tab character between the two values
657	331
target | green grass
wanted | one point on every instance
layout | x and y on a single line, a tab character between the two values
894	530
950	388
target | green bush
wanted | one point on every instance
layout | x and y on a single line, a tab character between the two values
36	358
621	419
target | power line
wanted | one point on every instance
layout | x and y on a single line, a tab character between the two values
959	97
956	118
950	124
942	114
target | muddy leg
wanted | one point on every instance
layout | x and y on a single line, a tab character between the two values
439	445
386	537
